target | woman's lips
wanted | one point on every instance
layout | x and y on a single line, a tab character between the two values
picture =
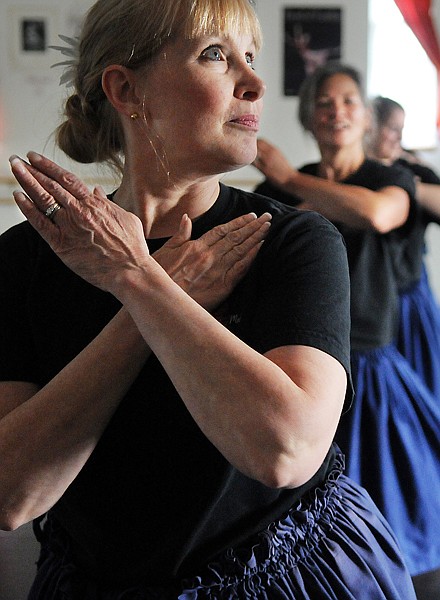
251	121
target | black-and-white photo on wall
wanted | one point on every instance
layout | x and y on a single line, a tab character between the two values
33	35
31	32
312	36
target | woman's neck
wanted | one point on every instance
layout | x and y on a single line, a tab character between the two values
161	210
339	164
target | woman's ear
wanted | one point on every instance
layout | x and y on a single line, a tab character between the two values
120	87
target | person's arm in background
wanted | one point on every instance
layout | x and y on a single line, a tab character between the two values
427	184
428	195
356	206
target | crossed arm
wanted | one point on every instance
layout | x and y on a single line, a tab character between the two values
271	416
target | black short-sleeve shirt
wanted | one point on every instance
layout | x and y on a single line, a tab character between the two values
156	499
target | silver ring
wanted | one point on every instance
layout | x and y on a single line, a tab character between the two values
50	212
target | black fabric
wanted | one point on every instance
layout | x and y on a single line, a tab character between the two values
156	498
267	188
329	545
380	264
423	172
427	585
410	269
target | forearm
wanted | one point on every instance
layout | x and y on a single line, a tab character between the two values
428	195
338	202
355	206
246	405
46	440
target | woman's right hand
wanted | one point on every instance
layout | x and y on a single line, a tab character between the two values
209	268
273	164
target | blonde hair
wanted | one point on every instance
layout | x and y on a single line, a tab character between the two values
131	33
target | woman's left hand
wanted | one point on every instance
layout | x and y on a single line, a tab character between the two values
208	268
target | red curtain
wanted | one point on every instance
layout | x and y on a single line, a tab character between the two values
417	14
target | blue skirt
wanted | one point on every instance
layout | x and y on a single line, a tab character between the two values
419	332
334	545
391	437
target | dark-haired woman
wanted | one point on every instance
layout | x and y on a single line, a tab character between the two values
391	435
419	324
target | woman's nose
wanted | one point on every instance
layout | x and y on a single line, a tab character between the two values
337	108
251	88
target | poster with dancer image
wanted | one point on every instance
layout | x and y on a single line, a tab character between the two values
312	36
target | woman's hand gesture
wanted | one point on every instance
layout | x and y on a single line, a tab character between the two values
97	239
209	268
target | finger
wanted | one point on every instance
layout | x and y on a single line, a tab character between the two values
240	251
65	179
227	229
45	227
99	192
238	268
221	231
182	236
229	237
185	229
38	187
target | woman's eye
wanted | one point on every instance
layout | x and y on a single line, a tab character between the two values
323	104
250	59
212	53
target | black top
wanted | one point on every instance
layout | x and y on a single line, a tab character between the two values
423	172
380	264
156	499
411	266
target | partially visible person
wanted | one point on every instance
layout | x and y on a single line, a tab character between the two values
391	435
419	330
178	435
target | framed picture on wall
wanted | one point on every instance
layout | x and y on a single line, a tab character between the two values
31	30
312	36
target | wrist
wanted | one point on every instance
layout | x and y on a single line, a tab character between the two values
128	282
287	179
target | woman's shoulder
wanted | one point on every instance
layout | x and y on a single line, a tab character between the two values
374	175
281	213
293	231
396	170
268	189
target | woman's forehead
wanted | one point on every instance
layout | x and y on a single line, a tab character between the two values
227	17
340	80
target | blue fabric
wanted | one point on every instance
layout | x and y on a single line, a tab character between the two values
334	545
419	332
391	437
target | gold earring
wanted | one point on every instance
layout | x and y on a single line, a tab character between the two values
134	116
